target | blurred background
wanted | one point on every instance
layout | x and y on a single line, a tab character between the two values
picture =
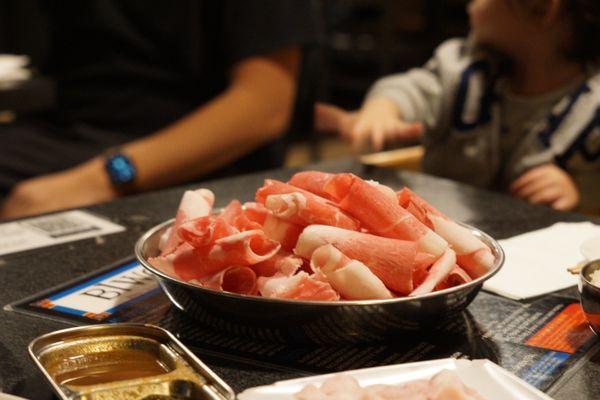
362	40
365	40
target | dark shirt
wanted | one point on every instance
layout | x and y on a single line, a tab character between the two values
126	68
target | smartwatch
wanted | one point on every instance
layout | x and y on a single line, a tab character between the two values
120	170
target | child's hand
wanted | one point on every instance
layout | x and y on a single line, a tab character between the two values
376	122
547	184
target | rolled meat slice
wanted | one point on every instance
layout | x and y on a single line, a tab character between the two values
337	187
391	260
299	287
244	248
282	263
202	232
241	280
256	212
381	214
312	181
164	238
164	264
282	231
273	186
231	211
437	273
240	249
185	263
472	254
237	217
194	204
351	278
424	261
302	209
457	276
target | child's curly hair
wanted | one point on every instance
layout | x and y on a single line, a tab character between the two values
584	18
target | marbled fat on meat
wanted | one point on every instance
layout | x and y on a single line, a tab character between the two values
299	287
194	204
391	260
351	278
474	256
381	214
304	210
312	181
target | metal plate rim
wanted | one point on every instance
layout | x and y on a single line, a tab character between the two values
495	246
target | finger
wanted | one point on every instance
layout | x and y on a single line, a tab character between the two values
347	124
328	117
377	138
564	203
533	187
545	196
408	131
521	182
526	179
360	137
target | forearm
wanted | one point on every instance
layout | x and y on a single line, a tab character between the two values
416	95
254	110
213	136
384	105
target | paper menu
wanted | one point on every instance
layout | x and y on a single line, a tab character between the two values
47	230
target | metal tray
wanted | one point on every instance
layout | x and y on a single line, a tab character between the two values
122	362
315	322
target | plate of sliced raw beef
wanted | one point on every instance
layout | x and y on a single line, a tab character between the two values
322	246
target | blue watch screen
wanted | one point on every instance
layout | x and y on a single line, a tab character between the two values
120	169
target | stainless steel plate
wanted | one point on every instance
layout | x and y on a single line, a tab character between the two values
320	322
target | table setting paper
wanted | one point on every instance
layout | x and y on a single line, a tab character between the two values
537	261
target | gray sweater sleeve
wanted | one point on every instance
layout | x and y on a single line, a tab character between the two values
420	92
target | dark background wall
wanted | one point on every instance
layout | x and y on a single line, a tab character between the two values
362	41
23	29
366	39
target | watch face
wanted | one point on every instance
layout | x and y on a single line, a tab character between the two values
120	169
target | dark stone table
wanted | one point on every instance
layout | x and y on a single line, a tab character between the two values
23	274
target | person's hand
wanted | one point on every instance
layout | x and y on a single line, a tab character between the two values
375	123
80	186
547	184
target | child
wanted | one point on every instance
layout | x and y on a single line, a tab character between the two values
516	106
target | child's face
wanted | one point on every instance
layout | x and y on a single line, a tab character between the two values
495	23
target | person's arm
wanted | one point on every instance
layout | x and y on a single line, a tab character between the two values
399	106
367	129
254	109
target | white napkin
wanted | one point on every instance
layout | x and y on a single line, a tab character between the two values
536	262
